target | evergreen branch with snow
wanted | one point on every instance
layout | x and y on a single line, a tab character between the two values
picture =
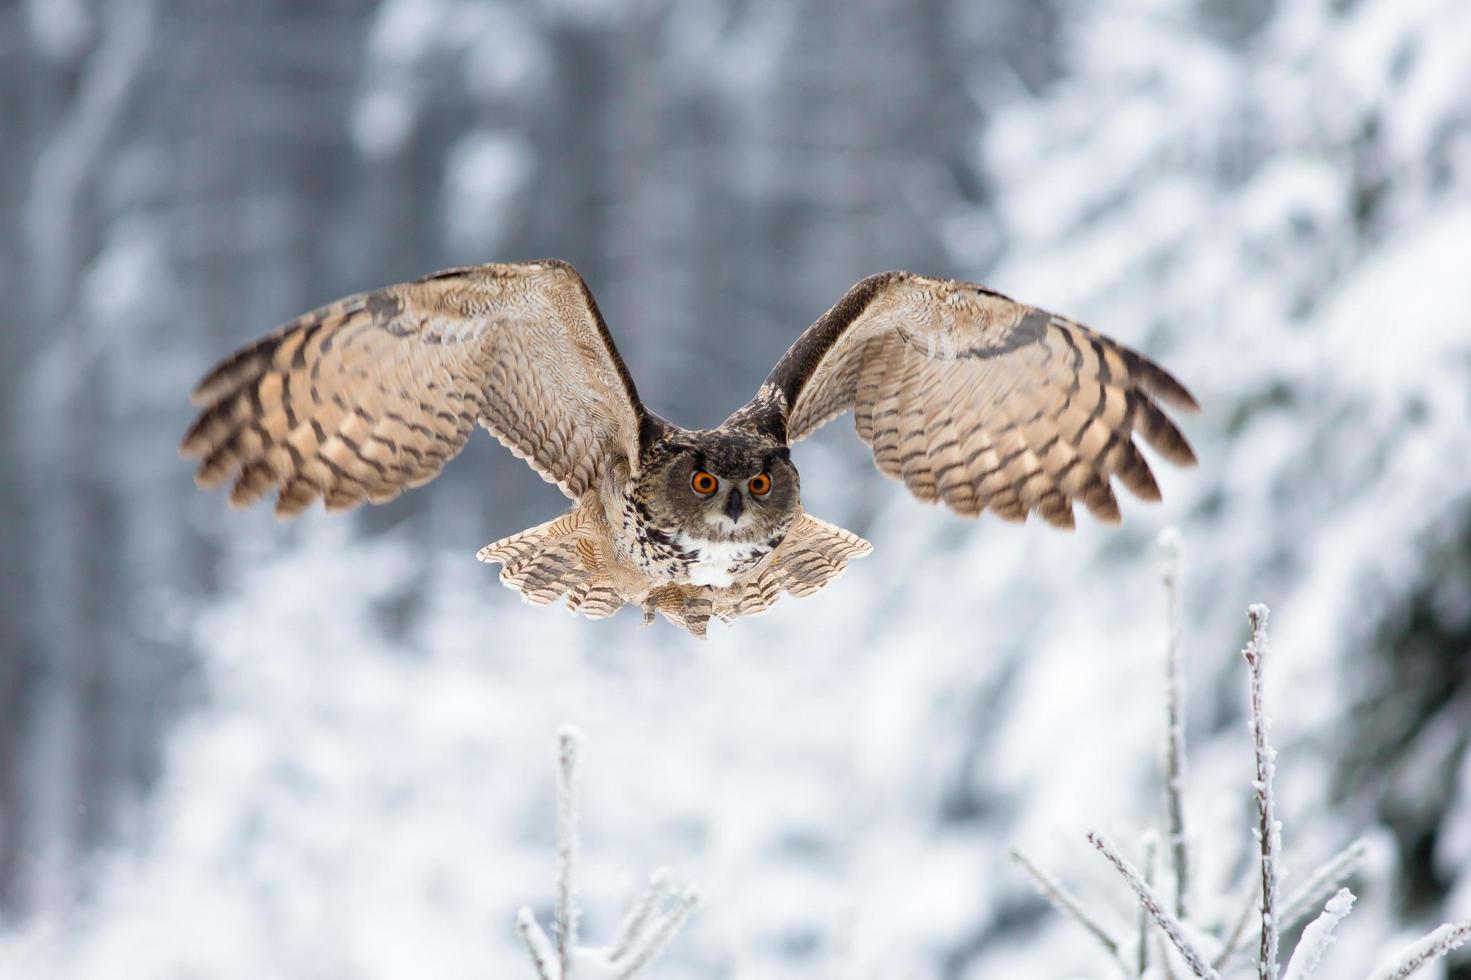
1170	925
1431	947
1269	830
647	928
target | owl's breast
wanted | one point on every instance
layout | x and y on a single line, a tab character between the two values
637	543
720	563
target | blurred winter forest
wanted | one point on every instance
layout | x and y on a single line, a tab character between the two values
236	749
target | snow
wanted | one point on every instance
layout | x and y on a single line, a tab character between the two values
408	29
486	174
382	122
504	57
62	28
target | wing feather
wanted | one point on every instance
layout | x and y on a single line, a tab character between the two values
969	397
371	395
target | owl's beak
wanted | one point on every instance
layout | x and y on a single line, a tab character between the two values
734	506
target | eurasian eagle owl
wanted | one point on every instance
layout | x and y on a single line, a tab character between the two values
963	394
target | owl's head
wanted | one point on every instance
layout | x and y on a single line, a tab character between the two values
722	484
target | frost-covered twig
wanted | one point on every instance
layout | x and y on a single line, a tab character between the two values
537	945
1151	858
1147	898
1326	878
1067	903
1151	864
646	930
634	921
1172	561
1277	917
1269	831
567	914
1317	937
649	943
1432	947
1329	875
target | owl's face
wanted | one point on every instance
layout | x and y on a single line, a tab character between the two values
720	485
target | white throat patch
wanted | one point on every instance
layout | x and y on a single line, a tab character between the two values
719	562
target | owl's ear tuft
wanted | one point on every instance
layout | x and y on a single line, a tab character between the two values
696	455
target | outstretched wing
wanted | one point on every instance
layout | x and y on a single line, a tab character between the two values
972	398
373	394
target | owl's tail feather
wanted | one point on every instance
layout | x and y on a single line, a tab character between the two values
813	554
560	557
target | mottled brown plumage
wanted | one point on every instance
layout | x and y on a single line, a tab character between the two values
963	394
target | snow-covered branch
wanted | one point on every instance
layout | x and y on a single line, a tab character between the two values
1269	831
1317	936
647	928
543	958
1172	561
1217	949
1170	925
1067	903
1432	947
568	740
1329	876
1151	863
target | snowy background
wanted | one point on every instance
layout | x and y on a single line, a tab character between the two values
235	749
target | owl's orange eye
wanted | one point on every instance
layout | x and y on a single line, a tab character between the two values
760	485
703	483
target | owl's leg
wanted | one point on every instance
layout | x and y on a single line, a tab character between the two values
686	606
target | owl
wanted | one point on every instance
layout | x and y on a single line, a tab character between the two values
964	395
